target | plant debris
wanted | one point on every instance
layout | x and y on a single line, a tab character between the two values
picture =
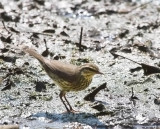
8	84
148	69
91	96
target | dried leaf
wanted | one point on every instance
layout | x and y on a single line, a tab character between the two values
91	96
49	31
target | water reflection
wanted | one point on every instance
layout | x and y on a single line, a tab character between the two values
66	118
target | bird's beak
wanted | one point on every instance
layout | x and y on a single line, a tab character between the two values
99	72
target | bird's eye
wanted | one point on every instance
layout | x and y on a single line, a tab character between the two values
90	69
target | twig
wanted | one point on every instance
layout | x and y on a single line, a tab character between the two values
9	127
133	98
46	52
37	33
132	93
80	39
148	69
45	42
115	54
142	5
26	31
91	96
5	27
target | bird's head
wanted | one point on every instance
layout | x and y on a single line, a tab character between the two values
88	70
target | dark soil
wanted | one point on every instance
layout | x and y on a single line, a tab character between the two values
113	31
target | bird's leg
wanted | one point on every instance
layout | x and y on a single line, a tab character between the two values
71	109
68	103
62	94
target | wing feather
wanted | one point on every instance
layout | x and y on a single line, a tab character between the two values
65	71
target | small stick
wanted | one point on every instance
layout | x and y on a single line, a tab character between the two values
142	5
37	33
133	98
148	69
80	39
26	31
91	96
45	42
46	52
132	93
5	27
9	127
125	58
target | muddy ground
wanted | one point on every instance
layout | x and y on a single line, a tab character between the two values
29	98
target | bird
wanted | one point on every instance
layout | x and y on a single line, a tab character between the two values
68	77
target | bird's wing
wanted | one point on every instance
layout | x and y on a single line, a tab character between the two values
65	71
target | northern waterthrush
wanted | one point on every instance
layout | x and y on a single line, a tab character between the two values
67	76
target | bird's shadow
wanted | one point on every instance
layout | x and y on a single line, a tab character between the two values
83	118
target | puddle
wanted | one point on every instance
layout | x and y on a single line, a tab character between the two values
146	127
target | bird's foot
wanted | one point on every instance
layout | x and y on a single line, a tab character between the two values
71	111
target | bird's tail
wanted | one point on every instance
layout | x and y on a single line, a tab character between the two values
33	53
